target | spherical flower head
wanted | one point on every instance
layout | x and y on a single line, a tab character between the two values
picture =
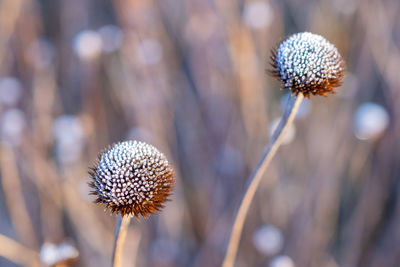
307	63
132	178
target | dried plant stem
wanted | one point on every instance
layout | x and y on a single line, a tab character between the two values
121	229
17	253
255	178
12	188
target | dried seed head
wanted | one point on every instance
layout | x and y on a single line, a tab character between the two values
307	63
132	178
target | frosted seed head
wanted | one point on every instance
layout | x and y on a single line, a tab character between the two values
124	179
307	63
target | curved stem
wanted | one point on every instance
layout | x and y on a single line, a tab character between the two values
121	228
255	178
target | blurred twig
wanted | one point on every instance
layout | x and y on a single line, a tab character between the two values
17	253
14	197
9	12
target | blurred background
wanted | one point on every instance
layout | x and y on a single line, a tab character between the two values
190	77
